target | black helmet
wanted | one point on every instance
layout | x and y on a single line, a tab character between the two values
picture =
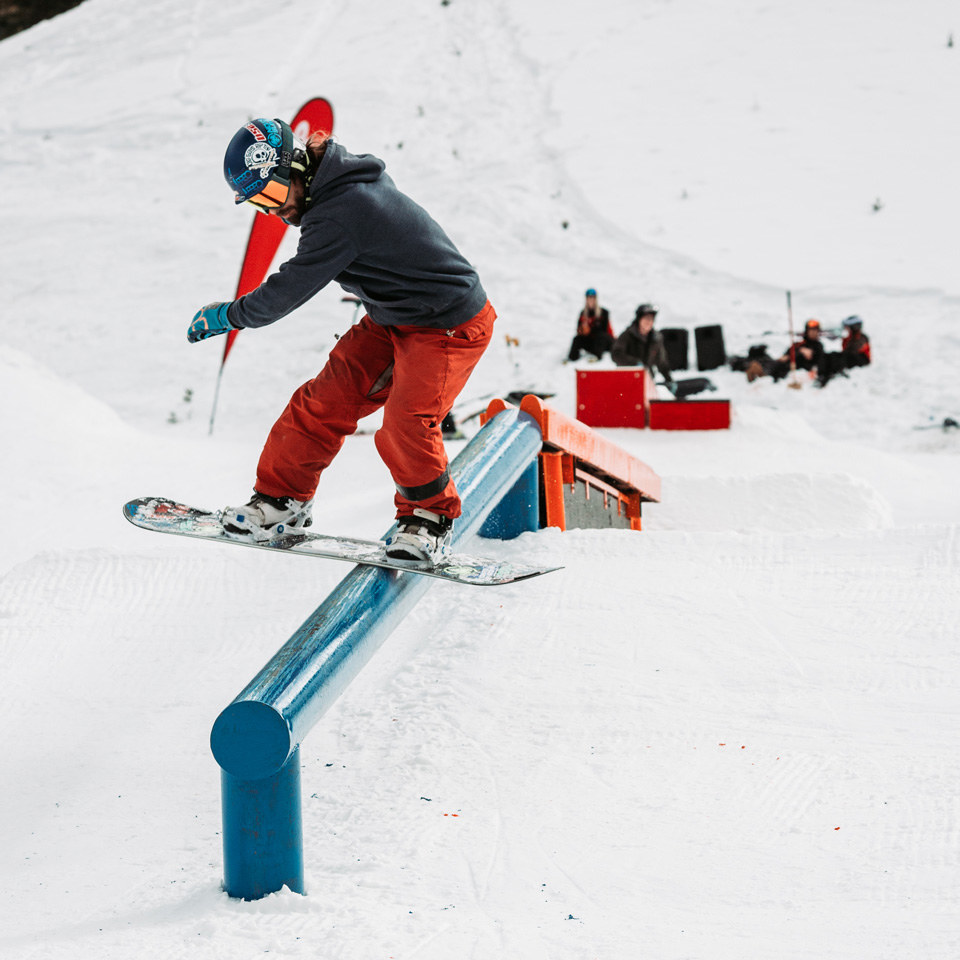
647	309
259	160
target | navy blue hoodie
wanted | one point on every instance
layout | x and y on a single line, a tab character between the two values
379	245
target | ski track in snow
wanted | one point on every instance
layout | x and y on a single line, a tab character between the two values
405	773
732	735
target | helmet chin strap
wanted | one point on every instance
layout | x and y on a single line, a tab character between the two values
302	164
307	181
299	160
307	199
310	171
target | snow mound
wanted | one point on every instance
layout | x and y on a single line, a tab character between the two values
784	503
49	409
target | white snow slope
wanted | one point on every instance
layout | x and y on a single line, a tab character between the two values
733	735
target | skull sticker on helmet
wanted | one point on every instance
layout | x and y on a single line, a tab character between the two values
261	157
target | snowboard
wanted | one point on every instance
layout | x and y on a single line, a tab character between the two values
168	516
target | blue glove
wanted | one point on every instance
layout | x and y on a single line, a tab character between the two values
209	321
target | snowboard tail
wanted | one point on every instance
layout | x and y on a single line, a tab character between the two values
167	516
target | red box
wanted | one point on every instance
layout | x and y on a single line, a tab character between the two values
690	415
614	398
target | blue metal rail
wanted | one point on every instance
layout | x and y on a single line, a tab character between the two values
256	738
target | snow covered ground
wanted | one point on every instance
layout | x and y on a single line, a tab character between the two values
733	735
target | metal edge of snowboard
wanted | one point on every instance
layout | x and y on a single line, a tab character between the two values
502	572
290	542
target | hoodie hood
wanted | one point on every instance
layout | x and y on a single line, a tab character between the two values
339	168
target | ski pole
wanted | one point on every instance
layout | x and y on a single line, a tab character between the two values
794	383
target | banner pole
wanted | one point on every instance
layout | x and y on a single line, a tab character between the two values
216	397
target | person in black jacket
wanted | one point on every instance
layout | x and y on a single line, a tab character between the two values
641	345
594	333
804	354
426	325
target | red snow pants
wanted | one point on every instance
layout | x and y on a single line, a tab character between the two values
415	374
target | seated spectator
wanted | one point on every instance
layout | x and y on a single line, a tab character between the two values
855	347
641	345
854	352
594	333
804	354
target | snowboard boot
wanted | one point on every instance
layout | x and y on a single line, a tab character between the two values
263	517
420	536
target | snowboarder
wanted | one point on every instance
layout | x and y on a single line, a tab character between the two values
594	333
641	345
427	323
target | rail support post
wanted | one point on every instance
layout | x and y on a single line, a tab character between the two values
262	832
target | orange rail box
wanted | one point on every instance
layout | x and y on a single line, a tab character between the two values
585	480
